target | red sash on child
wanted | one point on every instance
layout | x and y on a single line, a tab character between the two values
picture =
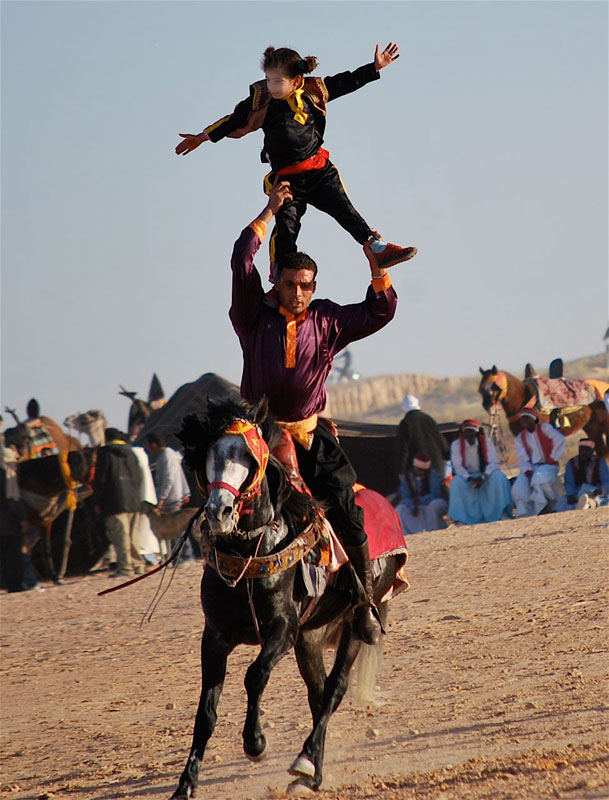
318	161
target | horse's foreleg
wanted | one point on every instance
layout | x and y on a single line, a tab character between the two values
276	644
309	657
214	654
308	765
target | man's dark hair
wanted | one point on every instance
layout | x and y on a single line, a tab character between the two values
296	261
156	438
113	433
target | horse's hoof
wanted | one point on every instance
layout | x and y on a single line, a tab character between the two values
302	766
259	756
300	789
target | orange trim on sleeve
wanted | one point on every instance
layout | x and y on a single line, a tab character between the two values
259	228
381	283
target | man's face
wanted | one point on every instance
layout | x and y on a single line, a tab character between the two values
585	454
296	288
528	423
470	435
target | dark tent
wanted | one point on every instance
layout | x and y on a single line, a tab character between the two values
370	447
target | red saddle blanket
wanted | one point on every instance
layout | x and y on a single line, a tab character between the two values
381	522
559	392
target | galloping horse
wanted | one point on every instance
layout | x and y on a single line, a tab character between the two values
497	386
257	529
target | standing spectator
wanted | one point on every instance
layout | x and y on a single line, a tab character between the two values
172	488
539	448
422	505
479	492
171	485
586	480
17	571
117	497
149	544
419	433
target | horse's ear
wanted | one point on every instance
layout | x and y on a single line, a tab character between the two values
494	370
260	410
481	370
529	371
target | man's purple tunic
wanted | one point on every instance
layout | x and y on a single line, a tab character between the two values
297	392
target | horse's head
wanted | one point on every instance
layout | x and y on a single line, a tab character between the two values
229	453
493	387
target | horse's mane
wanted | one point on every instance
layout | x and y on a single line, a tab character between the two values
199	434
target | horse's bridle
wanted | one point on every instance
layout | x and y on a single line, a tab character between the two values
259	450
500	382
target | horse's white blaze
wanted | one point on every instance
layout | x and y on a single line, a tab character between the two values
228	461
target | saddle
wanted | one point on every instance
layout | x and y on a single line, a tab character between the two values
381	522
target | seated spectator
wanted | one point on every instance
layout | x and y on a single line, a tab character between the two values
422	505
586	480
479	492
539	448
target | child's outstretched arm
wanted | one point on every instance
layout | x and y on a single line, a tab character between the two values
190	141
234	125
382	58
347	82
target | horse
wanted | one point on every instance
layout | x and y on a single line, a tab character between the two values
500	387
256	530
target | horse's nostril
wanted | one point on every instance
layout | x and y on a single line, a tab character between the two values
226	512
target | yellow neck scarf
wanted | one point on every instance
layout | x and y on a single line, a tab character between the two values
296	103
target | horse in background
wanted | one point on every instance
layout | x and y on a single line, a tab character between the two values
257	533
498	387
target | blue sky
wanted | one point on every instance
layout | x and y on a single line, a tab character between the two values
485	145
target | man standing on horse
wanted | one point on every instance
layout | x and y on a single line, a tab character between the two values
289	341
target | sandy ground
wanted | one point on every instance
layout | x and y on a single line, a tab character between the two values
494	682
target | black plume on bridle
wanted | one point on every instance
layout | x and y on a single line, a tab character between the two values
199	434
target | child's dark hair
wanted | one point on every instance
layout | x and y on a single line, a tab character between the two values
288	61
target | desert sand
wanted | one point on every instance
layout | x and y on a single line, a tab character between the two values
493	682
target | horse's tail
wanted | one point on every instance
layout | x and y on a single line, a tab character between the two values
367	667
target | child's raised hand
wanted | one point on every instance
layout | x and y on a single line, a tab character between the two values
382	58
190	141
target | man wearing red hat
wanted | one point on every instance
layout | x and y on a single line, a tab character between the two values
422	505
479	492
586	480
539	448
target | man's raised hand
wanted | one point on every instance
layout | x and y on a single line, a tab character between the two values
280	192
